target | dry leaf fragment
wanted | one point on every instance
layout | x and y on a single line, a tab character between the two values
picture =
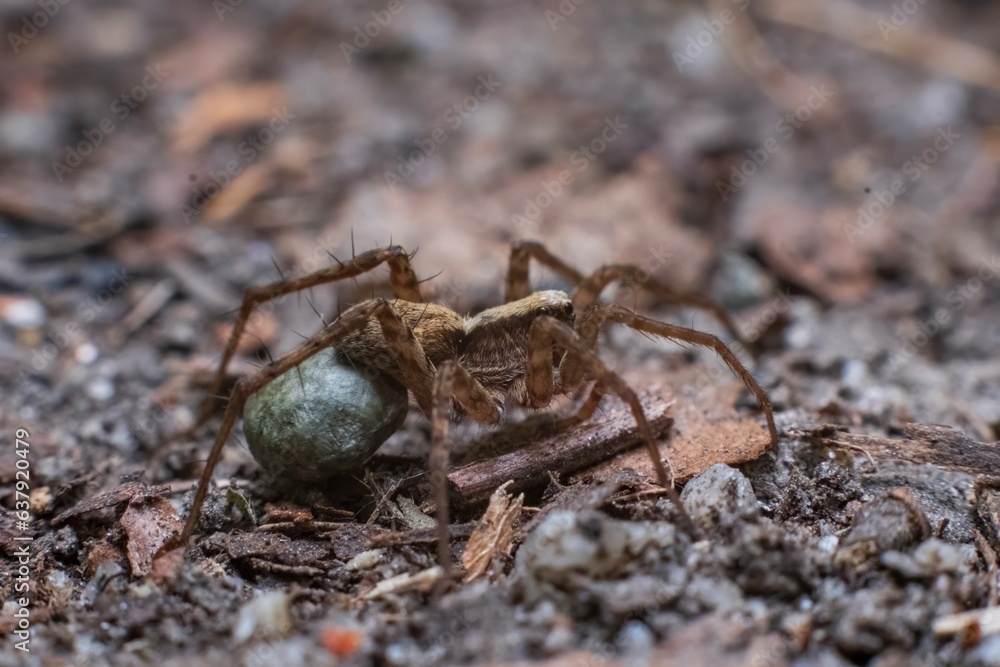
225	107
493	536
151	524
129	491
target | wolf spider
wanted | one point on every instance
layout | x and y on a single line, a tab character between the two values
534	347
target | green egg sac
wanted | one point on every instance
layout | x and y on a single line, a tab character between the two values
324	419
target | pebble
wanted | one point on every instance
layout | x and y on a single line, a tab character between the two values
720	496
109	575
22	312
987	653
884	524
828	543
86	353
100	389
60	588
568	545
943	557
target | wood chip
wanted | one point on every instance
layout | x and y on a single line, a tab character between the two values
976	623
921	443
200	286
697	441
281	513
562	453
243	189
146	309
493	537
421	581
423	536
300	528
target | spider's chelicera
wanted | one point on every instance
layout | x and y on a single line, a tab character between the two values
534	347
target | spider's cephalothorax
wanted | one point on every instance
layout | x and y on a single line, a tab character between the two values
491	346
532	348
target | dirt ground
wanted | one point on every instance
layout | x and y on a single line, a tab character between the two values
827	171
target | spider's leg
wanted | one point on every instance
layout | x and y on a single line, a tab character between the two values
538	375
517	286
401	275
592	320
588	288
588	292
452	382
583	410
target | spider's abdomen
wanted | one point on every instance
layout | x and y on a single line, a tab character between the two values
438	328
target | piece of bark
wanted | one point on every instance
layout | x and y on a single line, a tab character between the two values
493	537
699	438
273	547
562	453
978	622
422	536
988	509
921	443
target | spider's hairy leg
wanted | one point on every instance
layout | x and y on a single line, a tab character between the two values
588	288
414	370
593	319
452	382
584	410
545	333
521	252
401	275
588	292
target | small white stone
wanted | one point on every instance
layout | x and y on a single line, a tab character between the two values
23	313
86	353
101	389
719	496
828	543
